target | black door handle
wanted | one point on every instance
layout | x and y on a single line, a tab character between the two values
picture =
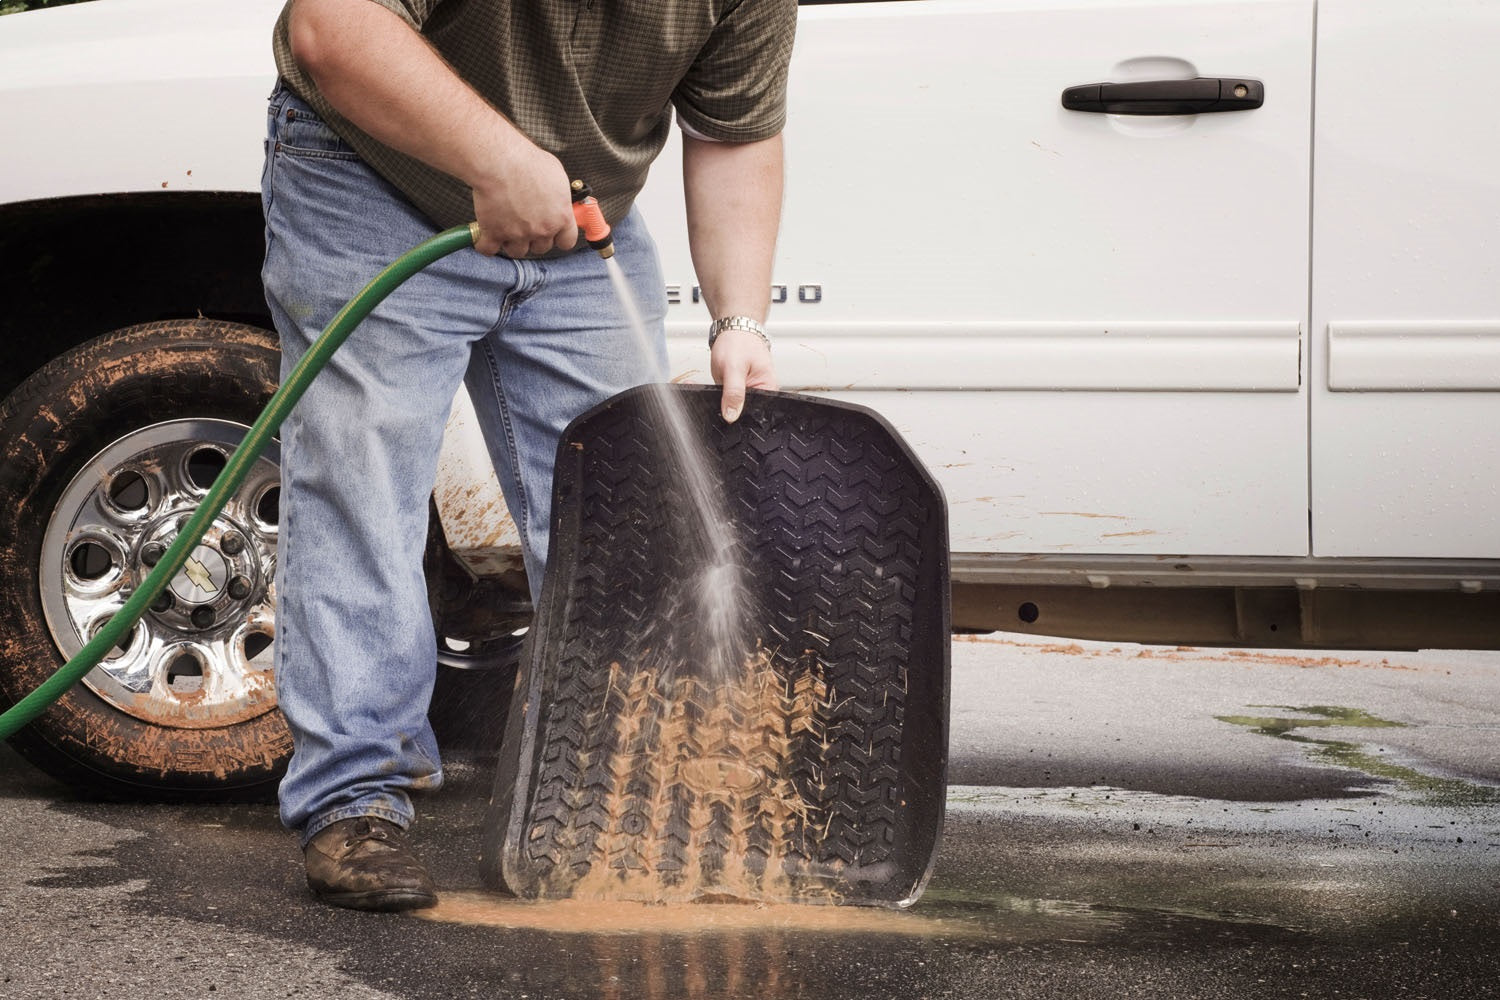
1205	95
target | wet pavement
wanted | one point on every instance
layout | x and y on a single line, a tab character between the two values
1122	821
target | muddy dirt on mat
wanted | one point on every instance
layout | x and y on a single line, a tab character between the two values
700	798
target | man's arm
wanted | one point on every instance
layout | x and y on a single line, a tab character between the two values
733	192
386	79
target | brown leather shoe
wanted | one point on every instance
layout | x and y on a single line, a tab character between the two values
363	863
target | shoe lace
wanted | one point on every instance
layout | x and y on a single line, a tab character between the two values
364	830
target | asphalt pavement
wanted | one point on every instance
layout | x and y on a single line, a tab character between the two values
1122	821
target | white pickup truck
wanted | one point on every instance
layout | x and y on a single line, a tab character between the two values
1206	352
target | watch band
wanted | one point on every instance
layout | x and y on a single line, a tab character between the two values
745	323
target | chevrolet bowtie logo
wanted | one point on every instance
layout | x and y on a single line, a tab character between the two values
199	575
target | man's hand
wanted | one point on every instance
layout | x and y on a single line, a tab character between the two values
525	206
740	360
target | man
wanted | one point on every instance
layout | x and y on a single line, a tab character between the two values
397	117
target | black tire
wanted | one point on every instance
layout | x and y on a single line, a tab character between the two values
59	421
471	699
481	631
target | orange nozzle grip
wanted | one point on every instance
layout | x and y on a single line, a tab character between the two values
591	220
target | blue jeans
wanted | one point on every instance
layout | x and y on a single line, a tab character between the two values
537	342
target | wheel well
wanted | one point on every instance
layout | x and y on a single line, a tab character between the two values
73	268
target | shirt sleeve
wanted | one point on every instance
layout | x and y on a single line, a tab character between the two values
735	91
413	12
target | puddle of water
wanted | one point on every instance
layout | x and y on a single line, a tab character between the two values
947	913
1432	789
1326	715
952	912
1056	914
590	917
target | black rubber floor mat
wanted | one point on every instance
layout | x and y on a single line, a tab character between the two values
812	767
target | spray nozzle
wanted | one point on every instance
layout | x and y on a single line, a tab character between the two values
591	220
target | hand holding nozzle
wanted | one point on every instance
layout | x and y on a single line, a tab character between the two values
591	220
516	203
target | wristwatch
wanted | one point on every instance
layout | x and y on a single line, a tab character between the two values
745	323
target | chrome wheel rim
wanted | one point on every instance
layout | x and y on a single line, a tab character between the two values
202	655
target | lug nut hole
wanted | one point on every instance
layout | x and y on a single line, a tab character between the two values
91	561
128	492
256	643
268	508
185	674
120	648
204	466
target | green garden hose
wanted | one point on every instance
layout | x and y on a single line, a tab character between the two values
229	480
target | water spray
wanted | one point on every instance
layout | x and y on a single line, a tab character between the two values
719	592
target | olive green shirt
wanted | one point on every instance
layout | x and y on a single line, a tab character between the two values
591	81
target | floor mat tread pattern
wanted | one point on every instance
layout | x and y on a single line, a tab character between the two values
817	773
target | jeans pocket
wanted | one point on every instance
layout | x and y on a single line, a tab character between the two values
300	131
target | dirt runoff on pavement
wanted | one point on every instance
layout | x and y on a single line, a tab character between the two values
594	917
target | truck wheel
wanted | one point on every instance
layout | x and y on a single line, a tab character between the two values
103	454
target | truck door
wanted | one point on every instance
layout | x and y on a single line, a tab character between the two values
1088	324
1406	288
